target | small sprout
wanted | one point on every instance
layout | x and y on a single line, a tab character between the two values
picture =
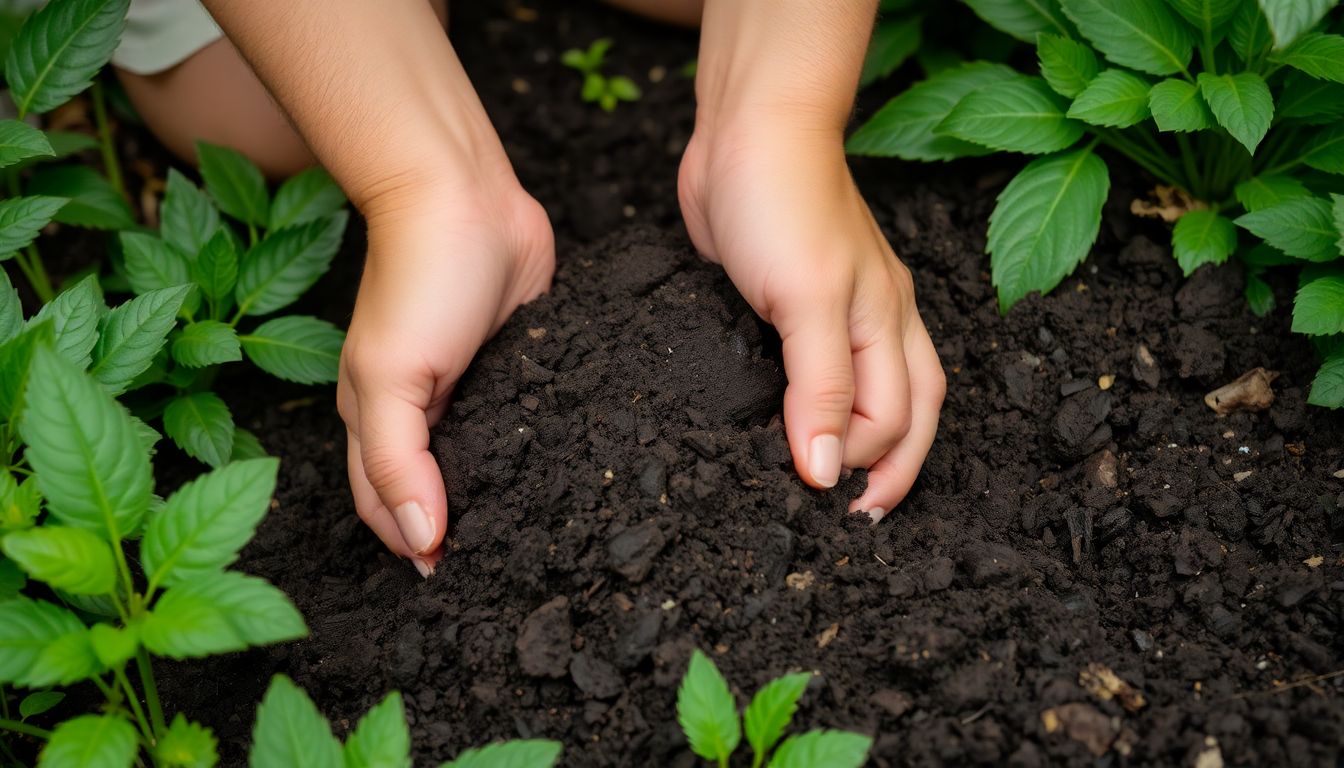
606	91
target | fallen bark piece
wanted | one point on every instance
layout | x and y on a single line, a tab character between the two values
1250	392
1102	682
1166	203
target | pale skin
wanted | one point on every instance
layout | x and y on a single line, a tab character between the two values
378	96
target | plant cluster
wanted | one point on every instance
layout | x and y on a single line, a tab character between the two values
931	32
708	716
605	90
1236	102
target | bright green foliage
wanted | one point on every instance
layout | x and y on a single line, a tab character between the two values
606	91
187	216
525	753
234	183
20	141
1139	34
1288	19
296	348
1206	15
834	749
1319	309
1327	389
1266	191
894	41
132	334
1301	227
309	195
219	613
1114	98
209	342
66	558
1023	20
1178	106
91	741
1022	114
290	731
1202	237
1318	55
38	703
29	630
1241	103
186	745
59	49
707	712
93	202
381	739
74	317
201	425
1067	65
277	271
770	711
22	218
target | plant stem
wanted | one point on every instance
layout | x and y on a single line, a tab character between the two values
134	702
28	730
30	263
1197	182
1139	155
111	164
151	690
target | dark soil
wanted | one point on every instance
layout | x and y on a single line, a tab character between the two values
621	492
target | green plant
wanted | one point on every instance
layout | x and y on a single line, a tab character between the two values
290	731
606	91
1237	102
707	713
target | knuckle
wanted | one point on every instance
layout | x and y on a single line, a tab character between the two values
898	426
832	391
383	467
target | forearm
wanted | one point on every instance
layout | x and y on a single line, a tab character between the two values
375	89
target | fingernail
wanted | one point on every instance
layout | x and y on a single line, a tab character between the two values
877	513
823	460
415	526
425	569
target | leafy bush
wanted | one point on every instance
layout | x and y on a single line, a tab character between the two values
1237	102
606	91
707	713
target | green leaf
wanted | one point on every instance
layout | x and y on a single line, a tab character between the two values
206	342
308	195
1114	98
216	268
706	710
151	263
37	703
1259	296
894	41
1337	208
1318	55
12	580
1266	191
381	739
833	749
114	646
296	348
22	219
280	268
59	49
1325	150
1327	389
20	503
201	425
1045	223
219	613
1018	115
85	450
574	59
1318	309
904	127
290	731
188	216
1202	237
1249	33
234	182
1308	100
132	334
74	315
771	709
1067	65
1300	227
1288	19
1023	19
246	446
1139	34
94	204
1177	106
28	628
11	311
1206	15
16	356
66	558
91	741
594	86
623	88
67	143
186	745
202	526
522	753
20	141
1242	105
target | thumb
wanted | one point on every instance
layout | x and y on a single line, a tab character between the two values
820	394
394	448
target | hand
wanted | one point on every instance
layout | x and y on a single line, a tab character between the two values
781	212
445	269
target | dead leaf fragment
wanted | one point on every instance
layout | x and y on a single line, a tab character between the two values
1083	723
1166	203
1314	561
1242	475
827	635
1250	392
800	581
1102	682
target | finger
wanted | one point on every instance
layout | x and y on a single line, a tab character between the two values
881	416
371	510
891	477
820	393
394	448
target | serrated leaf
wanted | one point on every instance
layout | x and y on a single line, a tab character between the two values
20	141
28	628
66	558
11	311
93	202
219	613
833	749
1325	150
66	660
894	41
201	425
85	450
1288	19
308	195
1114	98
114	645
1045	222
1318	55
706	710
904	127
206	342
1241	103
132	334
1300	227
207	521
234	182
151	263
1249	32
296	348
16	356
188	216
1067	65
91	741
22	219
74	315
1318	309
59	49
290	731
1308	100
1206	15
1259	296
37	703
1327	388
521	753
1139	34
1177	106
771	709
381	739
186	745
1023	19
216	268
280	268
66	143
1018	115
1202	237
1266	191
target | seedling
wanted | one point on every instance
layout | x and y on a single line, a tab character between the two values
707	713
1237	102
606	91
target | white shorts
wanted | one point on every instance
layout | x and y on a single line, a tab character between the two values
159	35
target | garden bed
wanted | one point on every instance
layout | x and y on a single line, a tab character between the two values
620	491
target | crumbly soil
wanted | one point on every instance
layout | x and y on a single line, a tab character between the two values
621	491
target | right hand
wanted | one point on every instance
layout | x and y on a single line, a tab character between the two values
446	267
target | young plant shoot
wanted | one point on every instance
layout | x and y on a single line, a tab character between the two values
606	91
